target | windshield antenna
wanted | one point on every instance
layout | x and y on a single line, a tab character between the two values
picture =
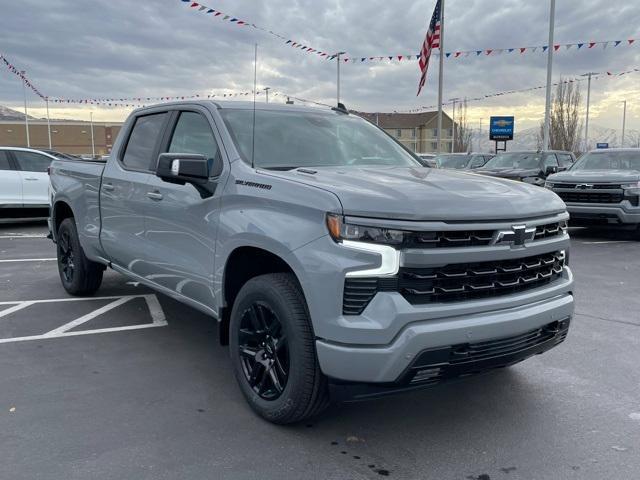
253	129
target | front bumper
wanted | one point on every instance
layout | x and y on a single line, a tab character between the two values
387	363
605	214
434	366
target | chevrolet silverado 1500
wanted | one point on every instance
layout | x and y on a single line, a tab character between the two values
334	262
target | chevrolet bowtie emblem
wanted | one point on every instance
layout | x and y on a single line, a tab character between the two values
516	237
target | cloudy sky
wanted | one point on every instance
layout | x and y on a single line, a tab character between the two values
122	48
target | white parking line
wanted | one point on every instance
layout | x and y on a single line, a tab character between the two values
16	260
13	236
603	242
155	310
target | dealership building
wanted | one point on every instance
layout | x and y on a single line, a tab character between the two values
417	131
67	136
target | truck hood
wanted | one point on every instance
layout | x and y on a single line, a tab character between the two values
413	193
510	172
596	176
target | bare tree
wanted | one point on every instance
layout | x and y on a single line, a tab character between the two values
463	131
632	139
565	131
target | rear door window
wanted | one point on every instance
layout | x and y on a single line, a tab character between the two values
565	159
144	137
31	162
550	160
4	161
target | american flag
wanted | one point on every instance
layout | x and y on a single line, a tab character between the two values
431	41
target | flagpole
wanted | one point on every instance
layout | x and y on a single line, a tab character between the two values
440	77
547	109
48	123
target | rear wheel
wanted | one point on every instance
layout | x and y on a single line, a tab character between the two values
273	351
78	274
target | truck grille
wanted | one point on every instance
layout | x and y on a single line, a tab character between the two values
595	186
582	196
469	238
457	282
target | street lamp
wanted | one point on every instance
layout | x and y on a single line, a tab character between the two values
93	145
624	121
338	82
550	49
453	128
26	116
586	124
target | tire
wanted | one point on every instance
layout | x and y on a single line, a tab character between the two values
79	275
271	334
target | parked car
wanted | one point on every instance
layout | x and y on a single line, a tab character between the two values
57	154
462	161
427	159
602	188
530	167
335	264
24	183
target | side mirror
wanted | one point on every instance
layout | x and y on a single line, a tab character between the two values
183	168
550	170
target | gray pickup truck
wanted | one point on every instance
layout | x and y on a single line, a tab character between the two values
602	189
337	266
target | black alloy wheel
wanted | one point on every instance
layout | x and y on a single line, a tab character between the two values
263	350
66	256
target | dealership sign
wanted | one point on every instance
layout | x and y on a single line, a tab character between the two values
501	128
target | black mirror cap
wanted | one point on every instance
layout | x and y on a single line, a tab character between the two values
184	168
551	170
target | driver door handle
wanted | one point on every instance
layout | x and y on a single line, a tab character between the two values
154	195
108	187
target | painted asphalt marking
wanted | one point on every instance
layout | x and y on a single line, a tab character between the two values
16	260
13	236
155	310
604	242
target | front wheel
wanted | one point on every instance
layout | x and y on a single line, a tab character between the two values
273	353
78	274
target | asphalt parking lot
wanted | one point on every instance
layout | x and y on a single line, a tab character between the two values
133	385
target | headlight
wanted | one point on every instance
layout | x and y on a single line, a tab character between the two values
533	180
339	230
631	188
549	185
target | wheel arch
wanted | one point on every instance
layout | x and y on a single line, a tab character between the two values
243	264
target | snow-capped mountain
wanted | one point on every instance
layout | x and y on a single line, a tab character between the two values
8	114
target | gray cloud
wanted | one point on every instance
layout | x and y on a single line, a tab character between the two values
124	48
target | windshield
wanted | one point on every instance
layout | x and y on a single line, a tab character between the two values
515	160
609	161
453	161
294	139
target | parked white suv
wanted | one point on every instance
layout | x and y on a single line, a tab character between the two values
24	182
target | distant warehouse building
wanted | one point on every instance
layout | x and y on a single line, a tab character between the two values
418	131
67	136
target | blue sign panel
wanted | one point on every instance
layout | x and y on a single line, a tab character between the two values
602	145
501	128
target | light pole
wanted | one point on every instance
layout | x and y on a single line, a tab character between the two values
440	76
453	128
550	49
624	121
26	116
338	59
93	145
266	91
48	123
480	137
586	123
